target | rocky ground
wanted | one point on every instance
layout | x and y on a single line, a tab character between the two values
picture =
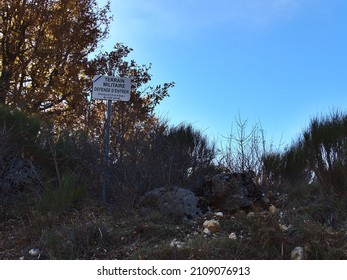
96	232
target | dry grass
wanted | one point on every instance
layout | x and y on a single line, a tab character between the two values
95	232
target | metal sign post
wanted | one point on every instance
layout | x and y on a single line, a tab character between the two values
107	152
111	89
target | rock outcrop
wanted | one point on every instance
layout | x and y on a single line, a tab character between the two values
231	191
177	202
16	173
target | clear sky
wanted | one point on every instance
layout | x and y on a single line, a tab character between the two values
278	62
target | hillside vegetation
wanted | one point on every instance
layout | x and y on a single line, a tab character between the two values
51	186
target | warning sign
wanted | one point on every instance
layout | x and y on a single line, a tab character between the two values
111	88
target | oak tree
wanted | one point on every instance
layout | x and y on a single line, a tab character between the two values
44	48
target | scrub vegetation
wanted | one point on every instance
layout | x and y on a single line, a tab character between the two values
51	195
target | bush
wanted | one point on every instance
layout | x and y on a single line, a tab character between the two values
325	147
56	199
22	130
77	241
76	153
319	155
167	157
188	155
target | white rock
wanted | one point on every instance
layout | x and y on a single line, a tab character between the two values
273	209
297	253
34	252
251	215
207	231
232	236
219	214
281	214
176	243
285	228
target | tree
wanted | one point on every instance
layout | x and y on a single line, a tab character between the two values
131	121
245	149
44	48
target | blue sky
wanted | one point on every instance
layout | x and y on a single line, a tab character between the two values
278	62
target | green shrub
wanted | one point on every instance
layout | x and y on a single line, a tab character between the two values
319	155
325	147
272	169
23	129
77	241
57	199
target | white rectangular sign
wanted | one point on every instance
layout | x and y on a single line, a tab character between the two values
111	88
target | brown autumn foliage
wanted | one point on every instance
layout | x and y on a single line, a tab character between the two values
47	61
44	48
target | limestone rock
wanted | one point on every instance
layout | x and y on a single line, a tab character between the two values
298	253
232	236
176	244
285	228
231	191
16	173
272	209
212	225
219	214
35	252
177	202
251	215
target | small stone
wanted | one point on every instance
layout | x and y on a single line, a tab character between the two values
34	252
207	231
219	214
251	215
176	243
212	225
285	228
232	236
281	214
272	209
22	258
297	253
